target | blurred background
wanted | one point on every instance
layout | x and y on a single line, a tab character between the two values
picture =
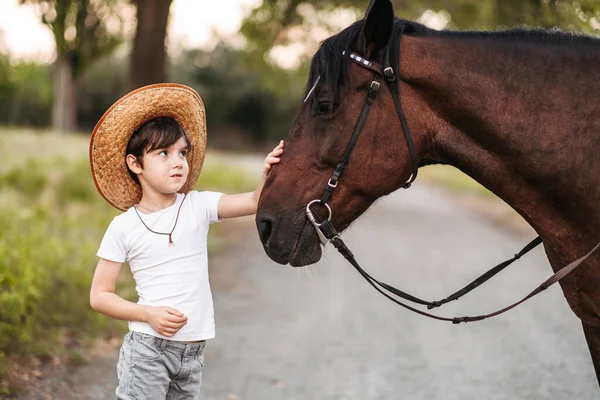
64	62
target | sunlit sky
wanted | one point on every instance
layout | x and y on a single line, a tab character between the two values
191	24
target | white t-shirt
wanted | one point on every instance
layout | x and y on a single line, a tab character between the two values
173	275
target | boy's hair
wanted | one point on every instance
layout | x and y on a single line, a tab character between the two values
157	133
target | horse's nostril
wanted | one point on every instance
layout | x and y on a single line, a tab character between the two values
264	230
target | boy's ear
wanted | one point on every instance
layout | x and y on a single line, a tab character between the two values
133	164
377	28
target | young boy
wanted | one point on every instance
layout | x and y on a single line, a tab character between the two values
146	154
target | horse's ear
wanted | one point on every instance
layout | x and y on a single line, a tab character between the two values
377	29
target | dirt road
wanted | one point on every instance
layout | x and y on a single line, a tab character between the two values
323	333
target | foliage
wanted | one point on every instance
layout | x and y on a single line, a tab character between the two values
7	86
25	93
46	257
257	100
102	84
248	102
51	222
84	30
270	23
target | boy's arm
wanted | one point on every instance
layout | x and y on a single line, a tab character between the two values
165	320
238	205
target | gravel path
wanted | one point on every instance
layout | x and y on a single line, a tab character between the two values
323	333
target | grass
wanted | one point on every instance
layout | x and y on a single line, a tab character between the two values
52	220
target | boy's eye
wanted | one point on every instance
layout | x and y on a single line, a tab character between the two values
163	153
183	153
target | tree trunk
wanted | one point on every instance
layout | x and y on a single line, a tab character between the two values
64	109
148	57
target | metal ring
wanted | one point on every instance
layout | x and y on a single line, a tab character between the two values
309	212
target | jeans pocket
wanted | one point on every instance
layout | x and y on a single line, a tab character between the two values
199	359
144	349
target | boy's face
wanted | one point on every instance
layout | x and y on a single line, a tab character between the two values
165	170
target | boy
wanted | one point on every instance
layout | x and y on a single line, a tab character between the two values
146	154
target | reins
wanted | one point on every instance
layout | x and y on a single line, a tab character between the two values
327	233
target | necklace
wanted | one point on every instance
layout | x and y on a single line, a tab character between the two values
161	233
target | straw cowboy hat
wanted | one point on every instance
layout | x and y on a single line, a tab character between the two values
111	136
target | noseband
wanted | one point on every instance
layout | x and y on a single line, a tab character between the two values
327	233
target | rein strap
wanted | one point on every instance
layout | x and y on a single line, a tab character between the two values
327	232
339	244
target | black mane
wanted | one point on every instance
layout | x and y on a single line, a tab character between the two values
331	65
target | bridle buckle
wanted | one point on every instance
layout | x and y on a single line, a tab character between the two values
389	74
374	88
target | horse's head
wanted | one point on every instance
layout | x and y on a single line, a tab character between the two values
379	163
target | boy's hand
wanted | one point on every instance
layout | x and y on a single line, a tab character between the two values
165	320
272	158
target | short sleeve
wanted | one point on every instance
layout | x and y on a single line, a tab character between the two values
112	247
212	206
206	205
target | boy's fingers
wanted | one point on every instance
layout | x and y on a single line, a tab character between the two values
177	320
174	311
174	325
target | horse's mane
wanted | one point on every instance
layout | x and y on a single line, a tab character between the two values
331	65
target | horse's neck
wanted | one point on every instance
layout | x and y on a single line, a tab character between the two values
520	120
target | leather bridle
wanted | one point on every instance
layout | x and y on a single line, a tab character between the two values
327	233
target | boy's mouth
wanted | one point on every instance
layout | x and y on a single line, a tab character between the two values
176	176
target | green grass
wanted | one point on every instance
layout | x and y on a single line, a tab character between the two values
52	220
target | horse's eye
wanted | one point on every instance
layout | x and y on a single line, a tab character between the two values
324	107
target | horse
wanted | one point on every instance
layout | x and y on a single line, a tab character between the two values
515	110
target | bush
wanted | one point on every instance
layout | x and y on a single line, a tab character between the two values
47	257
26	92
30	180
51	223
32	100
103	84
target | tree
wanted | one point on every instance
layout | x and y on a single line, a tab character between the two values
80	30
272	22
148	57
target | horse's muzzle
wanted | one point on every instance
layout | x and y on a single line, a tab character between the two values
292	241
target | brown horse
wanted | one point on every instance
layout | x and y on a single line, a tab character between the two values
515	110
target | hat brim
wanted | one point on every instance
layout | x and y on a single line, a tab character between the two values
111	135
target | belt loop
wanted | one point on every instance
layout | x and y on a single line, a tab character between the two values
201	346
160	343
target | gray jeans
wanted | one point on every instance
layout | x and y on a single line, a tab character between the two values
153	368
